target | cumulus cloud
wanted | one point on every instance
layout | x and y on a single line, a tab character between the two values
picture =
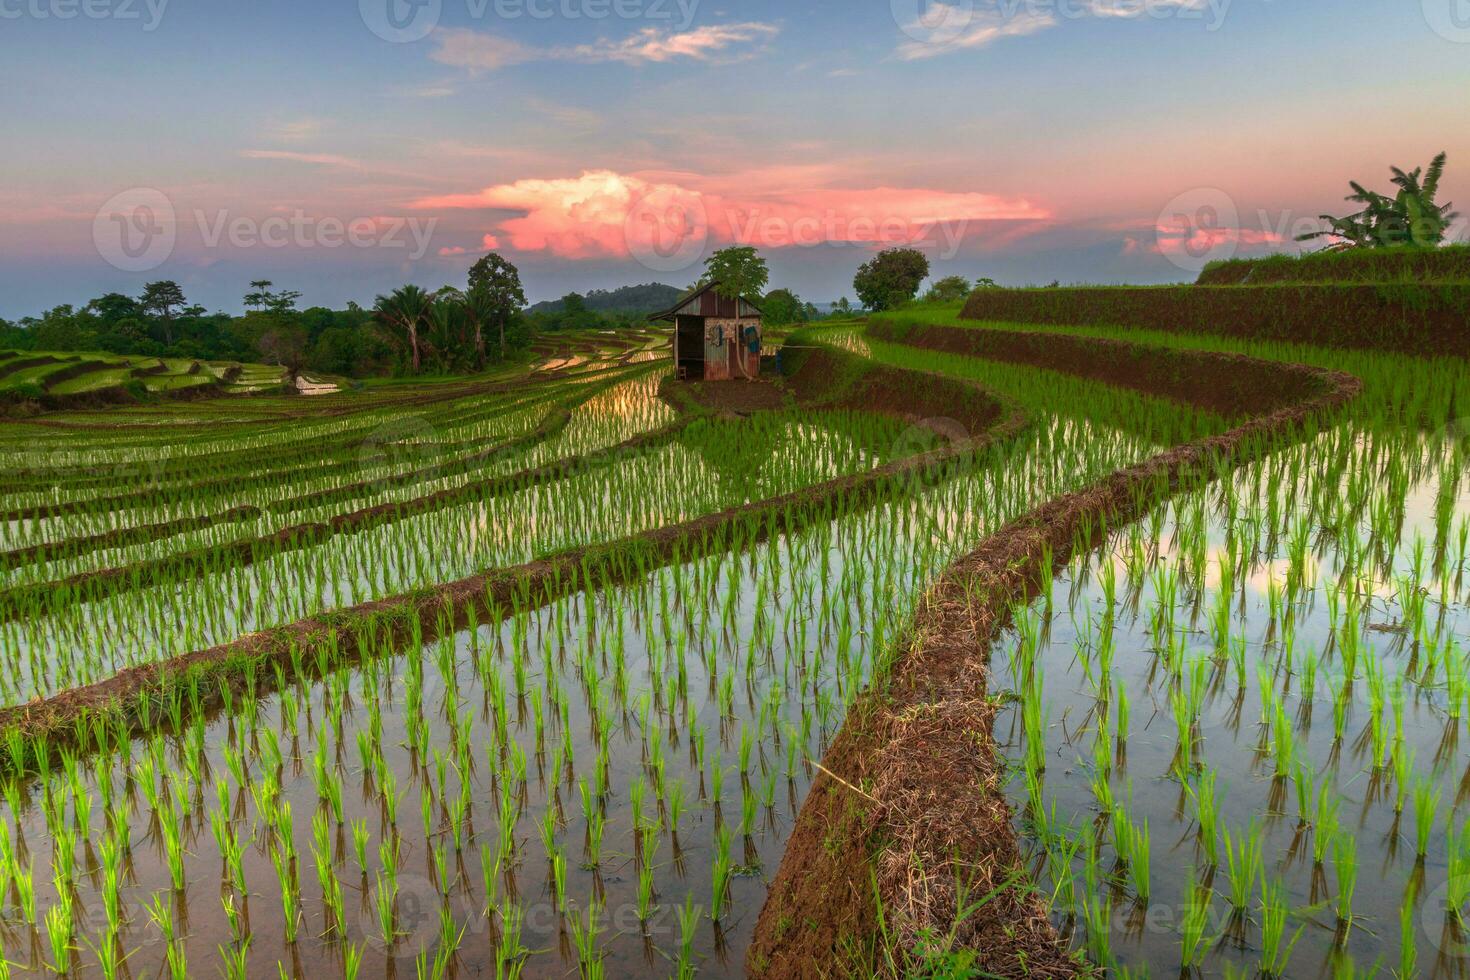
602	213
573	217
476	51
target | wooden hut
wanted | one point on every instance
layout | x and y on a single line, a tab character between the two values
716	338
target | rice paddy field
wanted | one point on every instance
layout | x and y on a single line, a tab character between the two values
65	379
540	673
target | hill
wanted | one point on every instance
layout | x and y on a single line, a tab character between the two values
650	298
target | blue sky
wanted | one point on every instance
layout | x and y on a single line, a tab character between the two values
1025	140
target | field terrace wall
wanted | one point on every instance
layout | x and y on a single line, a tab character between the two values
1427	320
1237	385
76	370
1450	264
330	640
909	803
23	363
827	376
20	402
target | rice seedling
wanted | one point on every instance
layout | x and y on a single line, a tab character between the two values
1276	948
1206	814
584	940
1193	943
751	651
1426	809
689	915
1245	865
1134	849
60	923
720	874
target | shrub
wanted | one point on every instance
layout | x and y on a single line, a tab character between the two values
1409	318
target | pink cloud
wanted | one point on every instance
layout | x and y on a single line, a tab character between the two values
605	213
452	250
318	159
654	45
1198	240
476	51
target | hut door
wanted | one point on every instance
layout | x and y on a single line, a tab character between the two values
690	330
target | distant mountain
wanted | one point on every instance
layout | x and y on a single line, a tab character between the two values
654	297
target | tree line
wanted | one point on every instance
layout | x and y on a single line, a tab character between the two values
408	331
161	322
415	331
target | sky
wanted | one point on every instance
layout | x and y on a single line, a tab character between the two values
343	148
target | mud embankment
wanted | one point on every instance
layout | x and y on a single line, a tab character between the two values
908	810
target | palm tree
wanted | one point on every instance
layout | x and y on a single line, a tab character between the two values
259	293
481	309
446	317
1411	217
403	313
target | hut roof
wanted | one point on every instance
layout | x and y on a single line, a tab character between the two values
696	294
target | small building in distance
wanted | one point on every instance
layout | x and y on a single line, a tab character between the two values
716	338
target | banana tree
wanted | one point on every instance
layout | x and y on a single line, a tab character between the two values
1410	218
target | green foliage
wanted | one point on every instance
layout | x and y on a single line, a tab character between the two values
739	270
635	302
782	306
574	312
950	289
495	296
403	315
891	278
160	298
1412	217
263	299
161	324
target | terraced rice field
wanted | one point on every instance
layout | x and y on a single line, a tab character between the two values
981	648
69	380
